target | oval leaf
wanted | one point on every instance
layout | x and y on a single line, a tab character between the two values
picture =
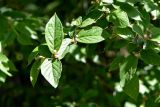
35	71
131	11
128	69
32	55
91	18
54	33
132	87
93	35
150	57
119	18
51	70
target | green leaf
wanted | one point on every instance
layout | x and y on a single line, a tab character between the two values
149	5
128	69
91	18
5	68
35	71
11	66
44	51
125	33
23	35
32	55
3	27
115	63
54	33
63	49
2	77
77	22
108	1
119	18
155	34
51	70
150	57
3	58
133	1
131	11
137	29
132	87
93	35
0	46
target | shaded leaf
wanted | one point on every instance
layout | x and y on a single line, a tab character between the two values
131	88
35	71
44	51
91	18
128	69
32	55
150	57
115	63
137	29
23	35
2	77
131	11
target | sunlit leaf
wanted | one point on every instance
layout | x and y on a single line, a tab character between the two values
51	71
93	35
54	33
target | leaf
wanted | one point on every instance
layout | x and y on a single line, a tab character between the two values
32	55
77	22
0	46
93	35
11	66
3	58
119	18
137	29
149	5
35	72
133	1
128	69
150	57
44	51
63	49
132	87
131	11
125	33
155	34
4	27
115	63
91	18
2	77
23	35
51	70
5	68
54	33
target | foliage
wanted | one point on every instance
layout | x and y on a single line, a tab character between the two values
109	56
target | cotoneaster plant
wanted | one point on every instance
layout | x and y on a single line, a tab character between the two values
127	21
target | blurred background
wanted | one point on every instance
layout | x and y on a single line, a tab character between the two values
85	80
